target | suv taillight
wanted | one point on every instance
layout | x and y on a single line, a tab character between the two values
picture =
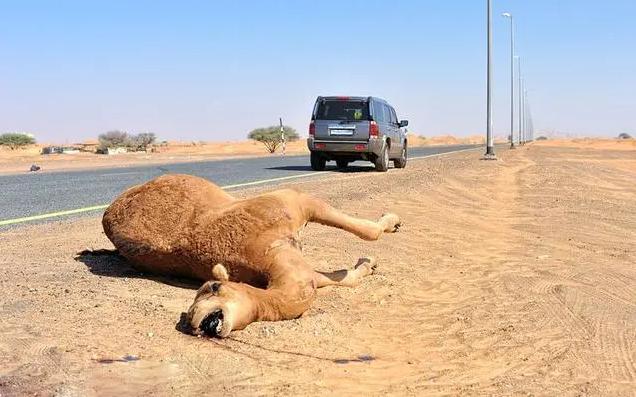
373	129
312	128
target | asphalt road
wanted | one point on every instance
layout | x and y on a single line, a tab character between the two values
27	195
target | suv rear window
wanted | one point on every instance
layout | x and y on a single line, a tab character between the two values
343	110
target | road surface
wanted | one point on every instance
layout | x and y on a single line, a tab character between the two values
38	197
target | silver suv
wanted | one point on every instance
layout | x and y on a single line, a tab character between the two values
347	129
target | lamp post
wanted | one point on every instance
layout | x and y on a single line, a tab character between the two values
490	149
520	98
526	116
512	78
523	112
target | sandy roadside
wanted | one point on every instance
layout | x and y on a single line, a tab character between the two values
508	277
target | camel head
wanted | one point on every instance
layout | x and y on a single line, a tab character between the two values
219	308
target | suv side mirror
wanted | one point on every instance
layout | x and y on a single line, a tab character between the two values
404	123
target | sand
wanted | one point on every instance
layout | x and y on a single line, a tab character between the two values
509	277
591	143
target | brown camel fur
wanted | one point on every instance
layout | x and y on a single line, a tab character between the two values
247	251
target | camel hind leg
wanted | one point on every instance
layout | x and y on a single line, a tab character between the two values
321	212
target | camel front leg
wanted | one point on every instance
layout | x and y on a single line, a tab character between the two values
323	213
347	277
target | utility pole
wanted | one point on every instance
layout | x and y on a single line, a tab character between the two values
512	78
490	149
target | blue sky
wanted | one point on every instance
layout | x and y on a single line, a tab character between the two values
204	70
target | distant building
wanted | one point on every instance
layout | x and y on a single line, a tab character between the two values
116	150
60	150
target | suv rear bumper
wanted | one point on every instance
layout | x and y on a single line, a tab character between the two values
362	148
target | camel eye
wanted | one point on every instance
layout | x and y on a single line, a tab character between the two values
214	287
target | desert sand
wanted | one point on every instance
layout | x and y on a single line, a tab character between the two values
20	160
509	277
591	143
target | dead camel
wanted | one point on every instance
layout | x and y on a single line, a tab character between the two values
248	251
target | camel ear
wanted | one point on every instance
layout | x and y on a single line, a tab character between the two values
220	272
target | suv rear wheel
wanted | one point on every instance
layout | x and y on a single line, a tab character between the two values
318	163
401	162
382	161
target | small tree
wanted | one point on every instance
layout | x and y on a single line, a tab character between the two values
624	135
16	140
113	139
271	136
142	141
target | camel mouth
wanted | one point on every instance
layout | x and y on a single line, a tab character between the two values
212	324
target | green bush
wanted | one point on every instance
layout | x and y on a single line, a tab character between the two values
16	140
271	136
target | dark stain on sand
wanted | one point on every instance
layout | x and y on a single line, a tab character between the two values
365	358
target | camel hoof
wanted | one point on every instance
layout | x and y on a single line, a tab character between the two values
393	222
370	263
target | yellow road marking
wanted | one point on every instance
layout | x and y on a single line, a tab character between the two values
259	182
51	215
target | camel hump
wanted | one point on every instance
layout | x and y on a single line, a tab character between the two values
160	212
183	183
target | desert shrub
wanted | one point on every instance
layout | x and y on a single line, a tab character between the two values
116	138
16	140
271	136
542	138
141	141
624	135
113	139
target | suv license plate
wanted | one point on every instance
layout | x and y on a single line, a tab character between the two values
341	132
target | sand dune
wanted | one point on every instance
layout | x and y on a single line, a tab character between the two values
508	277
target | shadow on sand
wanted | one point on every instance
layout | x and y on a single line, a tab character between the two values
109	263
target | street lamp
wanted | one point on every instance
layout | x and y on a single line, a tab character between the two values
522	134
512	78
520	97
526	116
490	149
